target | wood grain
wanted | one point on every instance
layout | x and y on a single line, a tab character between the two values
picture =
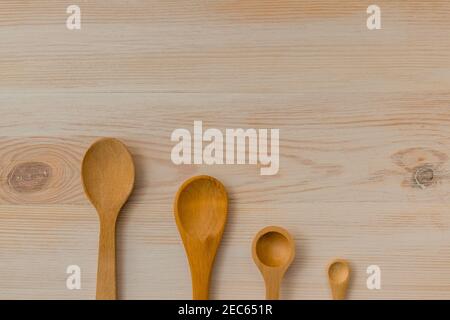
364	140
225	46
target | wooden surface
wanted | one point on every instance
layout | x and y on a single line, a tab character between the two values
364	140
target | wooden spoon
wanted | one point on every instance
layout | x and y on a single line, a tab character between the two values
338	277
108	178
273	252
201	206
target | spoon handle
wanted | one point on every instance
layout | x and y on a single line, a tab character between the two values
339	290
200	285
201	265
106	272
272	287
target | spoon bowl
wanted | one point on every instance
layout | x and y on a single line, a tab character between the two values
338	278
108	174
273	252
200	208
273	249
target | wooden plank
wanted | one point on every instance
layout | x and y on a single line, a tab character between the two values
225	46
334	148
410	245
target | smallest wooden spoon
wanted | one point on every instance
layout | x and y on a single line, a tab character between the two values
338	277
273	252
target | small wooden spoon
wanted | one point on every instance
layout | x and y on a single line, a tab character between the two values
273	252
201	206
108	178
338	277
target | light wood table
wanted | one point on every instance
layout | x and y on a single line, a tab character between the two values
364	119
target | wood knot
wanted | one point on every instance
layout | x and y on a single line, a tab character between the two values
29	176
424	176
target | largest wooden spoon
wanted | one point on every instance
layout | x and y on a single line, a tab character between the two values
108	178
200	212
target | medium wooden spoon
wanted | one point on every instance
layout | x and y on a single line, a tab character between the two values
338	277
108	178
201	206
273	252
